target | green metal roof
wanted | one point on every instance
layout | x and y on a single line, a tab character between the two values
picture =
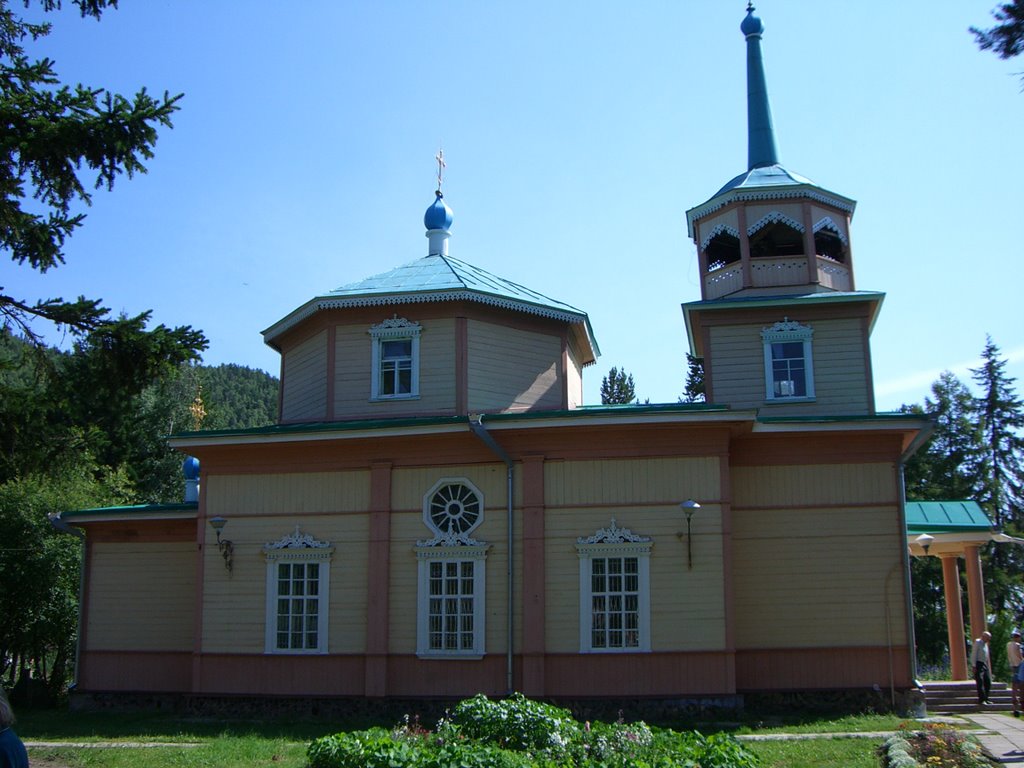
133	509
437	278
583	412
946	517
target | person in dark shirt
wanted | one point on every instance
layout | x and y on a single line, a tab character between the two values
12	750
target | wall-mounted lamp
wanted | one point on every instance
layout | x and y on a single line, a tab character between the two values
226	546
689	507
924	541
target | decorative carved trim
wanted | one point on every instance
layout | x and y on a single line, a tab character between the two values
775	217
444	551
787	330
297	540
395	327
827	222
718	230
613	535
785	194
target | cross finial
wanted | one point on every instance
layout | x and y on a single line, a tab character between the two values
750	5
440	168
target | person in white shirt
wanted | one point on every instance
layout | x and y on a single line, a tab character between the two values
981	663
1013	656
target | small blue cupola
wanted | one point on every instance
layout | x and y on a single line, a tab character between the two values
438	220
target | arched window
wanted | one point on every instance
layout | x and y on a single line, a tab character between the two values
829	244
776	240
723	249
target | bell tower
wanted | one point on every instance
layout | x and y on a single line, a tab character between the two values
777	282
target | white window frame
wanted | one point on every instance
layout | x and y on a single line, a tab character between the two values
445	556
615	543
394	329
787	331
450	545
297	548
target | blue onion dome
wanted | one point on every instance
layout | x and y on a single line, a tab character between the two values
438	215
751	25
190	467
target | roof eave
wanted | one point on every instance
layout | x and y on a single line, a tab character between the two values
773	192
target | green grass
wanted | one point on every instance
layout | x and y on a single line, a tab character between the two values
817	753
282	743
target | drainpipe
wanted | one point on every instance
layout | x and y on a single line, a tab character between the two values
61	525
920	439
476	424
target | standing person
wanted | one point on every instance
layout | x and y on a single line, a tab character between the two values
981	663
12	751
1013	656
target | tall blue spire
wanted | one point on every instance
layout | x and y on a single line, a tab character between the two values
761	150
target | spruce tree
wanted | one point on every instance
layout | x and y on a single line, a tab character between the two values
617	388
694	392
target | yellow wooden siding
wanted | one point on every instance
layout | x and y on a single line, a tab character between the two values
353	367
687	606
513	370
619	481
818	577
304	393
574	384
408	486
837	350
793	211
815	484
141	596
234	619
287	494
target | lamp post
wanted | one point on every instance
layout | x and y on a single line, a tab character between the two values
924	541
226	546
689	507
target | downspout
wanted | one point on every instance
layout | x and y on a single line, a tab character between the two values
476	424
61	525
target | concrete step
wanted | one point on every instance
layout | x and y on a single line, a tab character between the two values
961	696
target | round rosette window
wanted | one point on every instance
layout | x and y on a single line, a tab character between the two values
453	508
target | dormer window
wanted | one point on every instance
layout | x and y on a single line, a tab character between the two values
788	366
396	359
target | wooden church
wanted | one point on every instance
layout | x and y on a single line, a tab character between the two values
438	514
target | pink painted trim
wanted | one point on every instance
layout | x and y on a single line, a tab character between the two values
461	366
197	611
775	669
332	374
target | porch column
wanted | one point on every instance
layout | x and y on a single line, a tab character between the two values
975	591
375	662
954	616
533	576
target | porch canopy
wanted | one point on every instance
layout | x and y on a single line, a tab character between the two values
950	530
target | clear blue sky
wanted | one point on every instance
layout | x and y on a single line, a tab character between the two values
576	134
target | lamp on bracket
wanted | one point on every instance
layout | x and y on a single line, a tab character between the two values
924	541
689	507
226	546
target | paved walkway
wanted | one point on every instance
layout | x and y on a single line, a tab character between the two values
1003	736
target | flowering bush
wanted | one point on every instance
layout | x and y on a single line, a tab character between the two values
933	746
520	733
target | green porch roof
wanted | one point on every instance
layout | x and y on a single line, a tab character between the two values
946	517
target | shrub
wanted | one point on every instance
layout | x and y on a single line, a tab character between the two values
520	733
517	723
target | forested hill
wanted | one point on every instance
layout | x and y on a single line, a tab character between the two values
237	397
